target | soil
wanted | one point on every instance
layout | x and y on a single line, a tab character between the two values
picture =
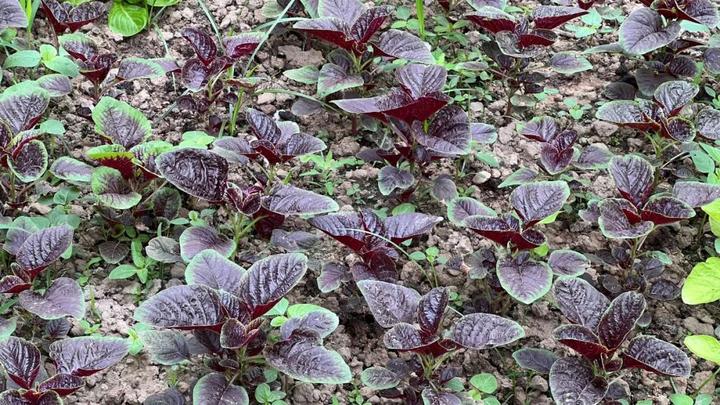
358	338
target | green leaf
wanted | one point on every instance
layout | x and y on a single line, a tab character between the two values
162	3
127	19
703	399
120	122
681	399
26	59
417	256
123	272
305	74
484	382
63	65
279	308
263	394
53	127
196	139
703	283
704	346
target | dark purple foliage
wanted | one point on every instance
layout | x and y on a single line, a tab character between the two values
65	16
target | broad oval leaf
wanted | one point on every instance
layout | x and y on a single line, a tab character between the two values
163	250
72	170
409	225
391	178
538	360
524	279
594	156
270	279
582	340
63	298
569	63
704	346
213	389
572	380
21	360
321	322
120	122
707	123
12	15
290	200
580	302
306	360
712	60
44	247
203	44
542	129
568	262
214	270
431	310
112	190
485	331
63	384
84	356
380	378
549	17
23	108
390	303
139	68
405	337
675	95
31	162
463	207
196	239
332	276
239	45
696	193
403	45
614	223
182	307
624	112
167	347
333	78
643	31
633	178
170	396
537	201
198	172
620	317
660	357
703	283
665	210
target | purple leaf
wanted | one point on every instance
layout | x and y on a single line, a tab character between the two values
397	103
555	160
84	356
234	149
625	112
12	15
345	10
568	263
167	347
448	134
594	156
57	85
549	17
182	307
263	126
707	123
332	276
390	303
664	290
63	298
695	193
197	172
569	63
643	31
485	331
698	11
163	250
112	190
538	360
139	68
522	175
421	80
233	334
432	397
345	227
44	247
580	302
293	241
542	129
409	225
580	339
328	29
391	178
665	210
483	133
213	389
620	91
403	45
212	269
63	384
380	378
243	44
170	396
333	78
21	361
675	95
652	354
492	19
270	279
13	285
367	23
72	170
195	239
120	122
620	317
523	278
290	200
712	60
614	222
572	380
463	207
202	43
536	201
23	108
431	309
306	360
195	74
319	322
444	189
634	177
30	162
405	337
